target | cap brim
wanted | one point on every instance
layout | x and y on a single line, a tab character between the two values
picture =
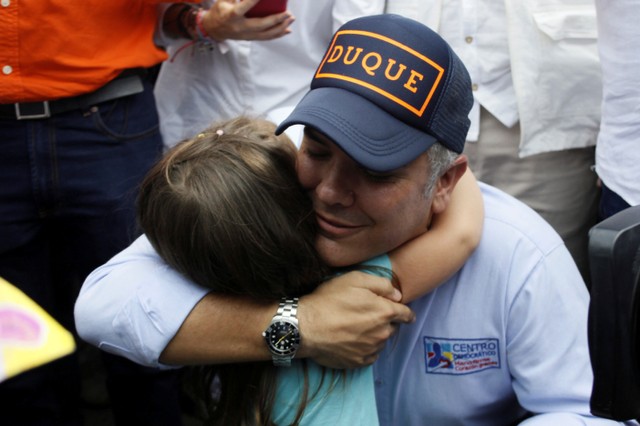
373	138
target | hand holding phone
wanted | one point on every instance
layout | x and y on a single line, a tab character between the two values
266	7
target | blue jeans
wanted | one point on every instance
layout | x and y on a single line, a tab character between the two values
67	195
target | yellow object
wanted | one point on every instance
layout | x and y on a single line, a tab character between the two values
29	336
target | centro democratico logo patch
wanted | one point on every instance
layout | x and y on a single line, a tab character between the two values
460	356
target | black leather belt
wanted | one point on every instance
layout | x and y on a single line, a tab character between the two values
127	83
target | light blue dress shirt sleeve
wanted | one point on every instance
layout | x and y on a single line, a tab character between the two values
134	304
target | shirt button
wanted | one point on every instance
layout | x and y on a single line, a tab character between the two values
474	87
5	3
7	69
468	39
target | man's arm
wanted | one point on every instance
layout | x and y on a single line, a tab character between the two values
344	323
221	329
137	307
134	304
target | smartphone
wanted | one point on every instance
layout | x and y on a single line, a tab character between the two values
266	7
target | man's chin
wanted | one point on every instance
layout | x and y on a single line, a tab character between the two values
338	255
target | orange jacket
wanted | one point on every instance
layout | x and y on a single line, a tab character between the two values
52	49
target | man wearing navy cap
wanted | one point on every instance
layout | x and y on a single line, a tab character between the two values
502	341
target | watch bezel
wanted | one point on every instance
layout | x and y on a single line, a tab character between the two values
294	339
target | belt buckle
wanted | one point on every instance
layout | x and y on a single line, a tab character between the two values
43	112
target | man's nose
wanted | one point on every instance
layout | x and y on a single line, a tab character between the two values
335	188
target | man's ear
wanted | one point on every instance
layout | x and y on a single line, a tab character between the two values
446	183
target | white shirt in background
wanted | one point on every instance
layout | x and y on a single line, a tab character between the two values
618	149
199	86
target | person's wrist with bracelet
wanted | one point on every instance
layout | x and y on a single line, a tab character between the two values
183	20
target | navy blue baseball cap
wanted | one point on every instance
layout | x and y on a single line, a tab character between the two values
386	90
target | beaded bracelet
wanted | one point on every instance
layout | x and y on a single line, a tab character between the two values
199	27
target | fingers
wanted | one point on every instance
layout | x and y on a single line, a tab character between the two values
344	324
271	32
369	360
402	314
263	28
360	356
243	6
226	20
377	285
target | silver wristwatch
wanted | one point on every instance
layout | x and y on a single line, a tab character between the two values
282	335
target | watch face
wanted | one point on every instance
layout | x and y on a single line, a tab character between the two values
283	338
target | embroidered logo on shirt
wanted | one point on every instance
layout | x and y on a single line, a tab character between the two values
460	356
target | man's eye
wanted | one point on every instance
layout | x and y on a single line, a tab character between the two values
316	153
379	177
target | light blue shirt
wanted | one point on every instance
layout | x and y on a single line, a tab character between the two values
346	397
504	336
